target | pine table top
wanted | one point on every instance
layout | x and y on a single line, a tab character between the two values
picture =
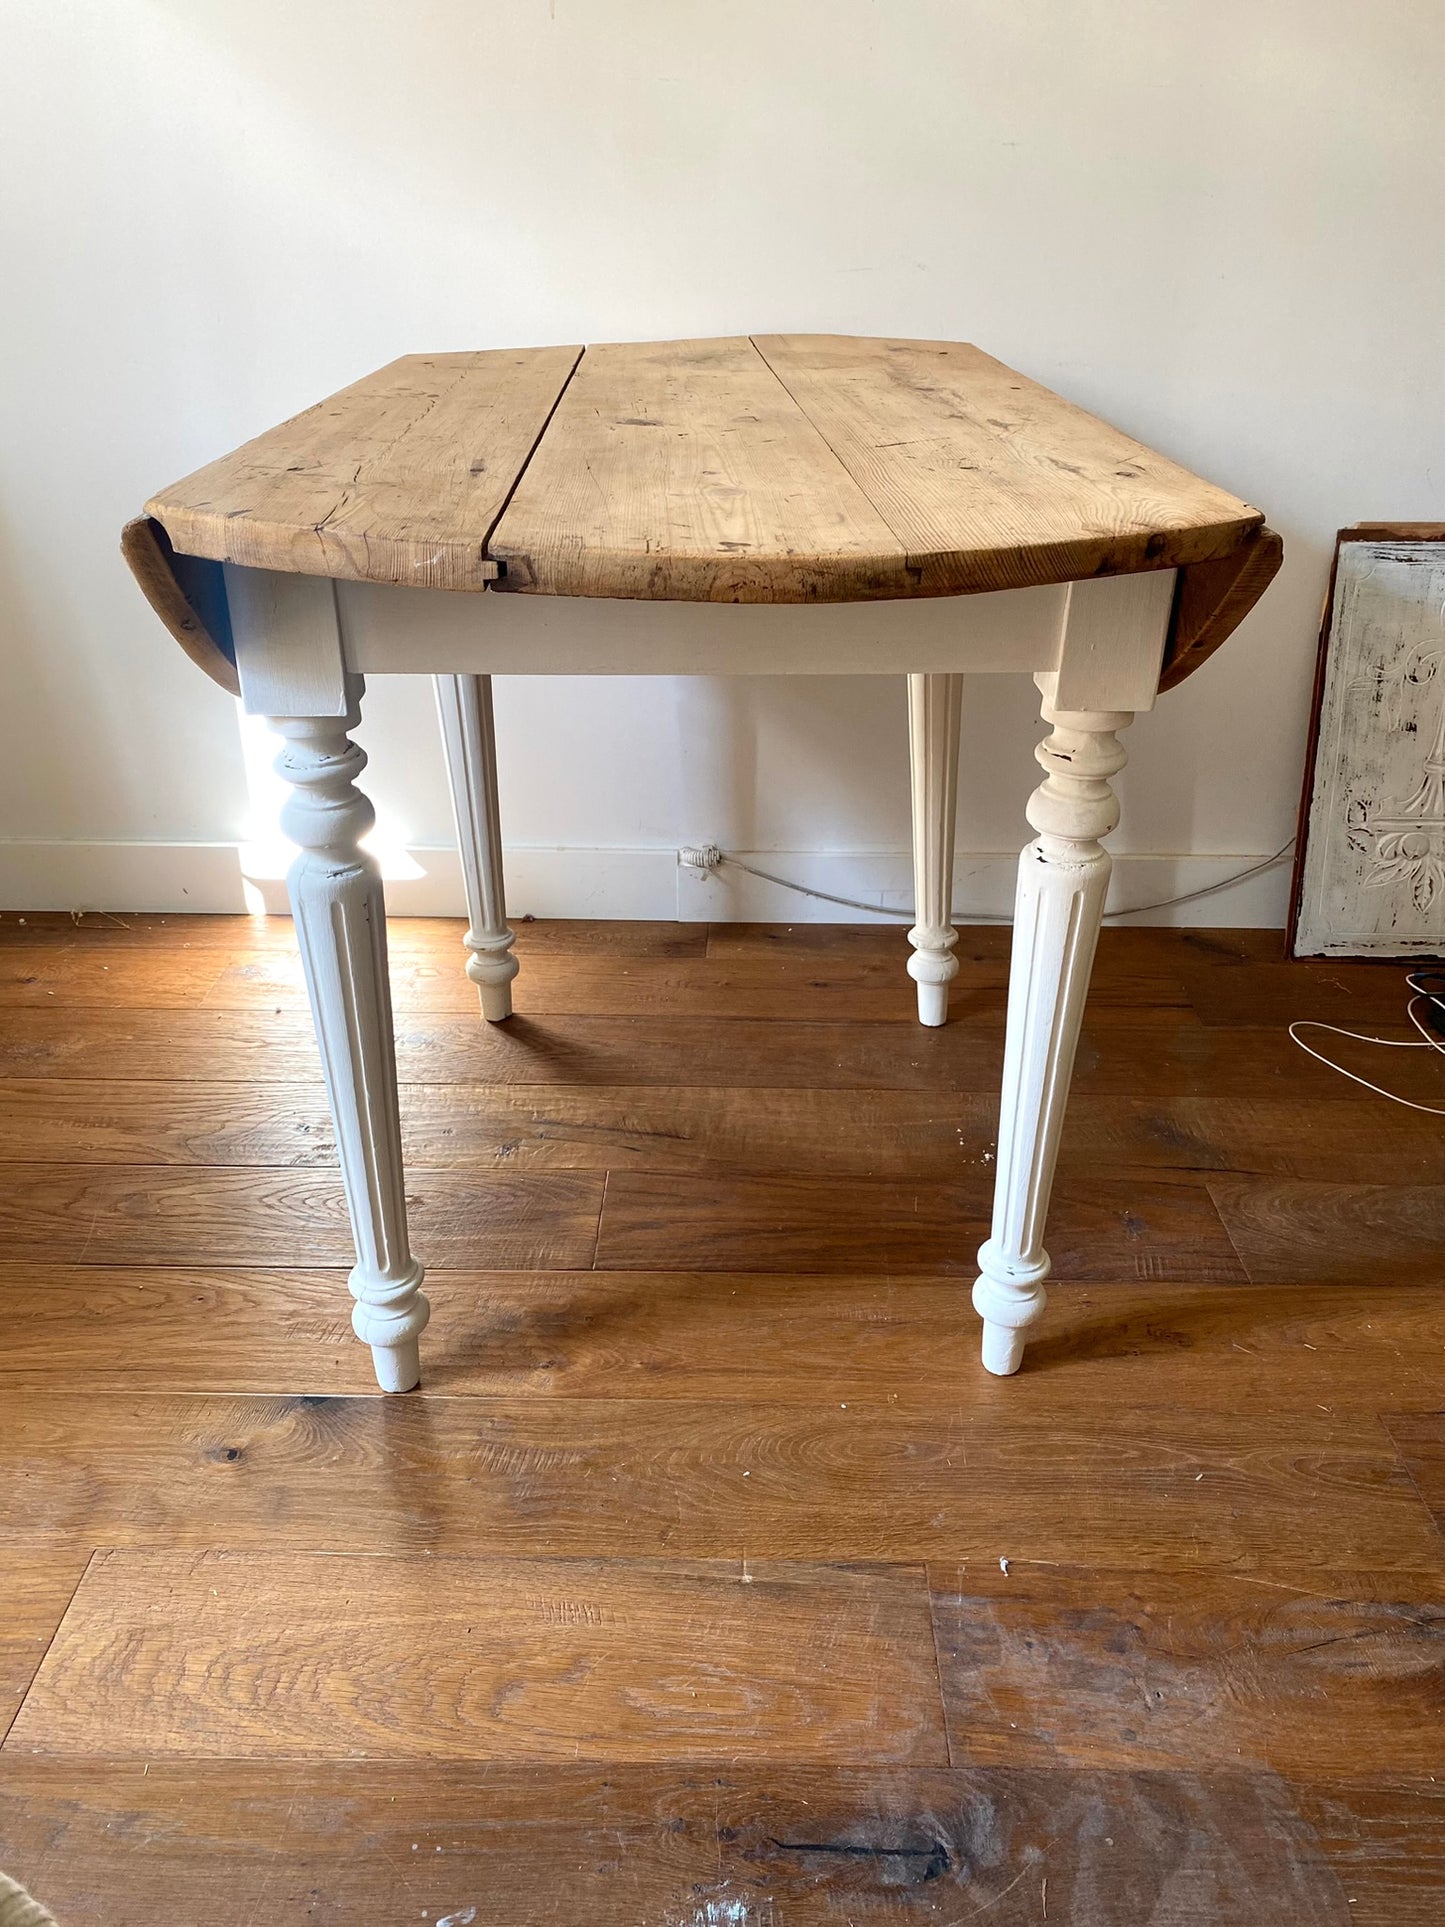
778	468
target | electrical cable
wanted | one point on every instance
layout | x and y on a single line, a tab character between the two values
989	916
1420	997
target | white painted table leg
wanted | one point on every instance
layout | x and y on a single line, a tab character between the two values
464	704
935	706
1063	879
336	899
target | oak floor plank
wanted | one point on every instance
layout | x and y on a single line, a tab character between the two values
102	932
1122	947
103	1121
1153	1487
163	1328
282	1656
1263	994
36	1585
231	1843
439	938
1224	1492
742	1131
885	940
1194	1671
835	987
731	1336
159	978
214	1046
1288	1231
1386	1844
1420	1440
557	936
1100	1227
1160	1055
107	1214
590	986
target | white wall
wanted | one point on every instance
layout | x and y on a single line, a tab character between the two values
1216	223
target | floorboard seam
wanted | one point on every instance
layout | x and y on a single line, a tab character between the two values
93	1555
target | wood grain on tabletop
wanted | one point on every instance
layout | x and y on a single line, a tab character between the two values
785	468
990	480
683	470
398	478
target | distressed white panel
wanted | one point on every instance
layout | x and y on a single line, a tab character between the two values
1374	869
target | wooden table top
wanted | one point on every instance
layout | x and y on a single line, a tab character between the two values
782	468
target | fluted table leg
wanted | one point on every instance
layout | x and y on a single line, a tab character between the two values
1063	879
935	707
464	704
336	900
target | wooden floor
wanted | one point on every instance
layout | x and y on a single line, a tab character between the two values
708	1582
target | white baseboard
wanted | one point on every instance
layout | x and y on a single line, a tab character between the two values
204	877
607	883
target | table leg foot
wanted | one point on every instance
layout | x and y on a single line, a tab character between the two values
398	1367
1009	1297
496	999
464	704
1003	1349
933	1003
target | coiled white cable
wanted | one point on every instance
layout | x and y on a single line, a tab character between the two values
1420	997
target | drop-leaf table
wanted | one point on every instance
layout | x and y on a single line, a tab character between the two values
909	507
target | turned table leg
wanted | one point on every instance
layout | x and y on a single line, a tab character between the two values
336	900
464	704
935	705
1063	878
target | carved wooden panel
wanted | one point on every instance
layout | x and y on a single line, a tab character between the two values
1371	877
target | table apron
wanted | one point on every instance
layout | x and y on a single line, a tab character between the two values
1114	627
300	639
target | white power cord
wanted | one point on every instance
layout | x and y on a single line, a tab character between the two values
1420	997
987	916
